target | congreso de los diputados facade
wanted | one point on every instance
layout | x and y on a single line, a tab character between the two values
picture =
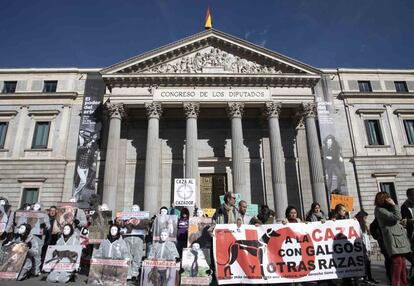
230	114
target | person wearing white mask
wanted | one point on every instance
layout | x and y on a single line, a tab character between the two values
164	249
68	237
6	218
34	251
80	218
39	229
136	247
114	247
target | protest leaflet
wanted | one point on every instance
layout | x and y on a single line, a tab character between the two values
198	231
196	264
108	272
160	272
162	222
66	213
99	228
12	258
133	223
62	258
290	253
33	218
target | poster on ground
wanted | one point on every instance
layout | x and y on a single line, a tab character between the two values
196	266
66	214
33	218
109	272
134	223
99	228
12	258
198	231
288	253
160	272
185	192
62	258
165	222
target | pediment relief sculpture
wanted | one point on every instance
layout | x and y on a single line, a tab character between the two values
213	60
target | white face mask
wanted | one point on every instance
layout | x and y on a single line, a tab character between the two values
104	207
2	202
66	230
72	200
114	231
36	207
164	212
163	236
196	246
135	208
200	213
27	208
22	230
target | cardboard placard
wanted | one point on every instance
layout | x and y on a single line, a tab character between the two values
12	258
62	258
160	272
184	192
209	212
109	272
347	201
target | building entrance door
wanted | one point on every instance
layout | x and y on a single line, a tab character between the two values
211	187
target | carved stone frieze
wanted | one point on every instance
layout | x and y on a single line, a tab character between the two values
272	109
235	109
191	109
115	110
154	109
309	109
202	62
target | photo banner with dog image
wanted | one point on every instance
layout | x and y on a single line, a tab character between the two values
160	272
134	223
109	272
62	258
34	218
290	253
88	138
196	266
99	226
333	160
66	214
12	258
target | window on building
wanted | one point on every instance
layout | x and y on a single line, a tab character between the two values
3	132
9	86
364	86
389	188
409	130
374	134
30	196
41	135
50	86
400	86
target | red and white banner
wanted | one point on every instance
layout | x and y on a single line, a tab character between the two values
294	252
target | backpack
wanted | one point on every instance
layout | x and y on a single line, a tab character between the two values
375	230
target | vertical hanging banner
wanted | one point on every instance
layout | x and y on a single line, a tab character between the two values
333	160
291	253
89	134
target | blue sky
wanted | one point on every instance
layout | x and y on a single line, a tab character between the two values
321	33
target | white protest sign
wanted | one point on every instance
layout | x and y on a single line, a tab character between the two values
184	192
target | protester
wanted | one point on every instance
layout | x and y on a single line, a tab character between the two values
394	235
361	216
340	212
291	215
407	214
32	243
226	213
241	213
42	225
375	231
68	237
164	249
265	216
182	230
315	213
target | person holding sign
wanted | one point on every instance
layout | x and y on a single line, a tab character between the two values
164	249
68	237
315	213
226	213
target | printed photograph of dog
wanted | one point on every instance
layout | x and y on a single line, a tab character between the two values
62	257
12	257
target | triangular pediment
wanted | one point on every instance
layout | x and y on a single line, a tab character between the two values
211	52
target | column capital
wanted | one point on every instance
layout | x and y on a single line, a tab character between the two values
272	109
299	120
115	110
154	109
235	109
308	109
191	109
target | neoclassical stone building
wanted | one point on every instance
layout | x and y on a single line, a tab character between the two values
233	115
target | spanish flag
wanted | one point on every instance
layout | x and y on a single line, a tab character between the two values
209	23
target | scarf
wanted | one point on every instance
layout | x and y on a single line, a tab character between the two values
230	214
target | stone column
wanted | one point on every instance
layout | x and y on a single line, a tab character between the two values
277	159
152	158
235	112
115	112
191	111
315	159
